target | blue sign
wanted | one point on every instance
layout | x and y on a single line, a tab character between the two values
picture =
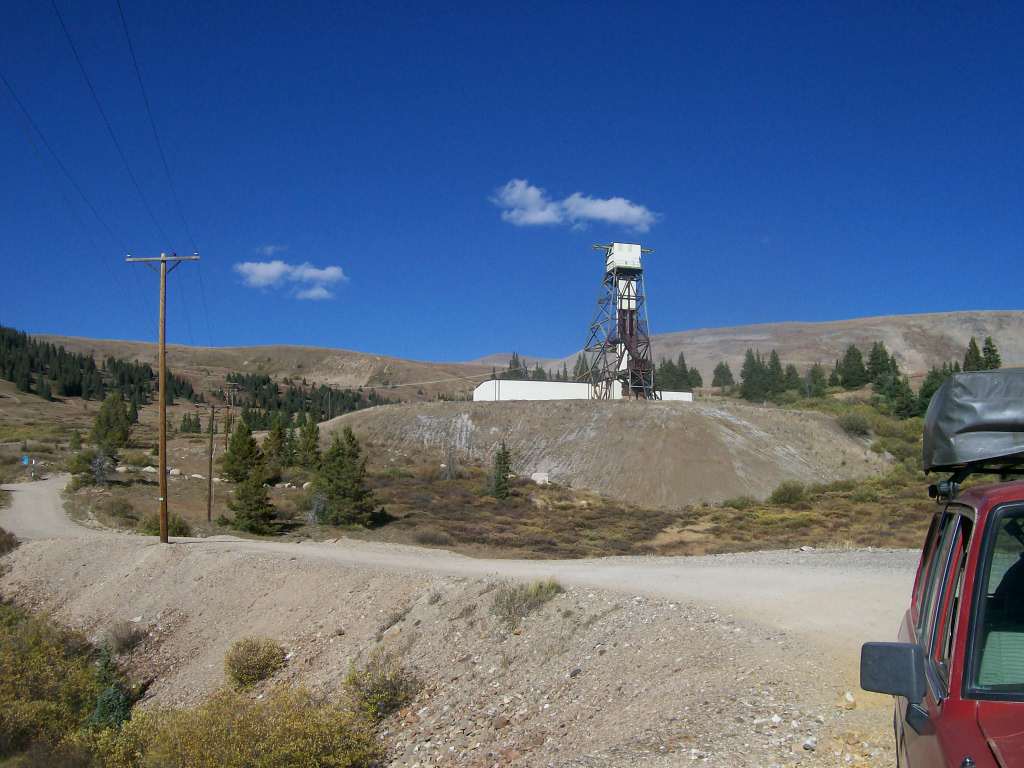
25	460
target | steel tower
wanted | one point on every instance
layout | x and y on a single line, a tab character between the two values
619	347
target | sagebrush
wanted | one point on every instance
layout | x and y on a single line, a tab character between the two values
382	685
252	659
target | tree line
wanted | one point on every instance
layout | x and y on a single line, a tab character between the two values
263	400
767	378
49	370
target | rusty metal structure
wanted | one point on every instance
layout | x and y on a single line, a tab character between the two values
618	349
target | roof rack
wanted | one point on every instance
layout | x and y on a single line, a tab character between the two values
974	425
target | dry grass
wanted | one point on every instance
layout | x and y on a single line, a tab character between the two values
251	660
382	685
514	602
123	636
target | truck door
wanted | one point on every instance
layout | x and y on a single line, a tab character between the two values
923	725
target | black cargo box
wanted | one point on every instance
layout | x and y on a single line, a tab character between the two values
976	420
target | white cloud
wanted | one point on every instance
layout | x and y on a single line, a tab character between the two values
260	274
524	204
270	249
311	281
315	293
614	210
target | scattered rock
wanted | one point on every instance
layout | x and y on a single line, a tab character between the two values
147	469
174	472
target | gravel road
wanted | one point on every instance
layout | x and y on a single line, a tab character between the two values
839	599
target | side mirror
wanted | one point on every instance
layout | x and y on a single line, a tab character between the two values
893	668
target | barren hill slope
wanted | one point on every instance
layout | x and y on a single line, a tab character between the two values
654	454
918	341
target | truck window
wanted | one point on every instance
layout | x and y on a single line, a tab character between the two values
927	558
936	578
998	657
949	604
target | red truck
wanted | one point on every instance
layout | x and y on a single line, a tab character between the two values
957	671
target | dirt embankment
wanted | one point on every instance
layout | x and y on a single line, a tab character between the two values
595	678
738	660
650	454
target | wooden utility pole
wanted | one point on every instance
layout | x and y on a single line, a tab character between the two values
163	260
209	458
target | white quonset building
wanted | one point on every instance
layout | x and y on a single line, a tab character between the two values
514	389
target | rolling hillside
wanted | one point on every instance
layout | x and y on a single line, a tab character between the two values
207	366
918	341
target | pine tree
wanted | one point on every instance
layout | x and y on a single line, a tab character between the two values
792	379
878	363
973	361
243	455
274	444
133	411
815	381
581	368
502	469
990	355
341	485
44	389
111	428
775	376
722	377
539	374
835	379
565	372
852	371
753	377
309	444
251	504
290	447
23	377
694	379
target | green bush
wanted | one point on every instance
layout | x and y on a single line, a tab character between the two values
49	683
382	686
251	660
855	424
287	728
137	459
788	492
176	526
740	502
8	542
514	602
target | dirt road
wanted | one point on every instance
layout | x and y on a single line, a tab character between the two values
838	599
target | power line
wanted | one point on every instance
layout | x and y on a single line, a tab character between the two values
110	128
163	159
60	164
27	130
152	124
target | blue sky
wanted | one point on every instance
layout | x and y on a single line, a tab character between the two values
426	180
